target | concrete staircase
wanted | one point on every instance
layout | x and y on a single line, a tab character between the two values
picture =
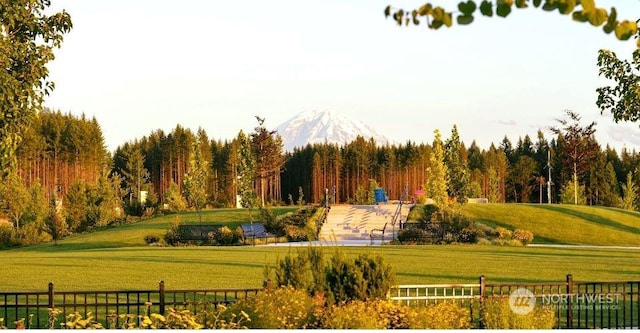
355	222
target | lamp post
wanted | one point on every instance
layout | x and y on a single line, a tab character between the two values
334	194
326	198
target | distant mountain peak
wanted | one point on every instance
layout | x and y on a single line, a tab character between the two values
315	126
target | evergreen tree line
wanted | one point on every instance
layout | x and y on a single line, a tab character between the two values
572	167
503	173
64	168
62	183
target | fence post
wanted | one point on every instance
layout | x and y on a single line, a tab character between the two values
162	300
638	302
482	295
569	301
50	294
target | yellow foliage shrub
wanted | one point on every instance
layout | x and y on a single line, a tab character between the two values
281	308
499	315
384	314
445	315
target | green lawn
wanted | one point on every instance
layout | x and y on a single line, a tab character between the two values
143	267
118	259
563	224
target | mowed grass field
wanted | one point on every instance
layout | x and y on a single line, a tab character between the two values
118	259
563	224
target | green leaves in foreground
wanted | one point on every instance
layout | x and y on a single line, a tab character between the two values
580	11
623	98
28	34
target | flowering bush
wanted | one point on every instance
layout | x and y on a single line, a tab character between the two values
282	308
355	315
384	314
524	236
499	315
221	317
76	321
503	233
444	315
226	236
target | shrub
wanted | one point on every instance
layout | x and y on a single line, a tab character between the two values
483	241
500	242
270	222
384	314
468	235
221	317
341	279
444	315
281	308
225	236
295	233
30	234
514	242
151	239
173	237
504	233
304	271
76	321
499	315
422	213
429	211
362	278
355	315
298	218
524	236
6	236
298	226
414	236
174	319
485	231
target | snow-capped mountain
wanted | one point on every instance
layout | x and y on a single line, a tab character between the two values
324	126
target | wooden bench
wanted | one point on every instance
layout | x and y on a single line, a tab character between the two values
378	233
256	230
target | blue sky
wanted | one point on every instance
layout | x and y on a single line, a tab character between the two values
143	65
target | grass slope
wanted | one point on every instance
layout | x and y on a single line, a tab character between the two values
563	224
133	234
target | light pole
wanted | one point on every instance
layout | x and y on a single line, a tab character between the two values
549	183
326	198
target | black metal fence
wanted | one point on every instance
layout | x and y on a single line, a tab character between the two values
110	307
576	304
